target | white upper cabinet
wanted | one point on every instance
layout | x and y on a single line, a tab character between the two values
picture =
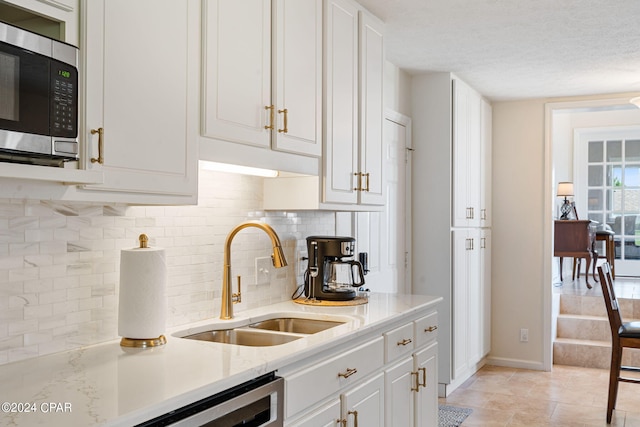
297	69
371	77
263	73
140	97
486	136
466	155
341	102
354	62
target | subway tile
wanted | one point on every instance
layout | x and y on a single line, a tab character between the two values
74	275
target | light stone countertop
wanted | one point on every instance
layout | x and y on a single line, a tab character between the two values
106	384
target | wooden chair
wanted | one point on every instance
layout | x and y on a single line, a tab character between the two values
622	335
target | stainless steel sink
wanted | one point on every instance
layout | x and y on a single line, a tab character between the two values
244	337
295	325
276	330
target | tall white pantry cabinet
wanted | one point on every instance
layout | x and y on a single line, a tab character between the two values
452	218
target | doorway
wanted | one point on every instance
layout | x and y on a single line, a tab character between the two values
563	122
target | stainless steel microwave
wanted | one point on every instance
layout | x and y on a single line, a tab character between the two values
38	98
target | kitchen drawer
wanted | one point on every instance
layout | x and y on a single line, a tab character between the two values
316	382
398	342
426	329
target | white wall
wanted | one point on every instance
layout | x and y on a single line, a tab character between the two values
524	178
517	253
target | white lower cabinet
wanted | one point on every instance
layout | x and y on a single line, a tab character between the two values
426	396
364	404
389	378
400	383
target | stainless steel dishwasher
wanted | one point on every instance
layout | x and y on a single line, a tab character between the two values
256	403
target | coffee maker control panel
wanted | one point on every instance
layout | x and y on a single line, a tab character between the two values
348	248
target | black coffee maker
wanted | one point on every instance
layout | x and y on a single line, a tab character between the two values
331	274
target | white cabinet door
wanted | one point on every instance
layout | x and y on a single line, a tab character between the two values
140	87
371	77
466	156
426	399
297	69
363	405
399	382
485	289
258	89
237	71
341	101
467	300
327	415
485	167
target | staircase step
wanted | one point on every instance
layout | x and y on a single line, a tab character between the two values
583	304
583	327
590	353
584	353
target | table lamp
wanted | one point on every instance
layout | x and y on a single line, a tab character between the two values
565	189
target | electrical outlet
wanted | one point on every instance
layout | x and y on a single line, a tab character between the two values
263	270
301	264
524	335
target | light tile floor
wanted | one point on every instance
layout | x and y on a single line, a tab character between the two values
567	396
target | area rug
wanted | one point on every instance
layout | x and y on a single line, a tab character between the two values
452	416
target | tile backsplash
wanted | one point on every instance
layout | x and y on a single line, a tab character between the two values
59	262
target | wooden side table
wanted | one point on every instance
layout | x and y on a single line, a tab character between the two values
575	239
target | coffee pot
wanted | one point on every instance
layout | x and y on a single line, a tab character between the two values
339	275
332	273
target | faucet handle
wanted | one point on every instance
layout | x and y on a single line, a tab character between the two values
237	298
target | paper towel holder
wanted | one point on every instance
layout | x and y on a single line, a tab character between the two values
143	342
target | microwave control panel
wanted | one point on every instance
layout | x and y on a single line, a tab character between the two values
64	100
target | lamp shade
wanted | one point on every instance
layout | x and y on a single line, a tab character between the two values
565	189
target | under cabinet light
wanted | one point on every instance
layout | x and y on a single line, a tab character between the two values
244	170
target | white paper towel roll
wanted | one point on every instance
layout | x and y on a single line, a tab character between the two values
142	313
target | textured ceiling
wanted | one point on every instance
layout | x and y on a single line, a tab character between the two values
516	49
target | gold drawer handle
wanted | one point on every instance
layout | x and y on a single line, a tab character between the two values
431	329
348	373
100	132
405	341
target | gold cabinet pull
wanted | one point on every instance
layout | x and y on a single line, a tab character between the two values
366	175
355	417
343	422
424	377
405	341
417	383
431	329
269	108
100	132
348	372
285	112
359	186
